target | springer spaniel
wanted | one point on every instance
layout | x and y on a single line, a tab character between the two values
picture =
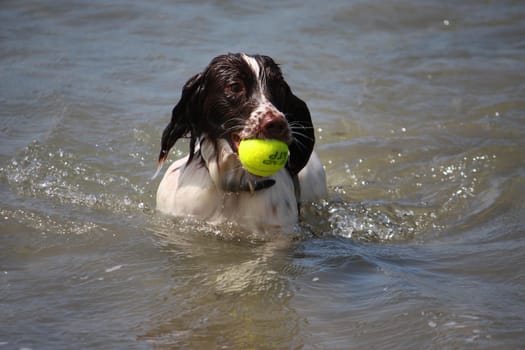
238	97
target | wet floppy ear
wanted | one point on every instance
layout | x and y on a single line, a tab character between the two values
184	118
298	115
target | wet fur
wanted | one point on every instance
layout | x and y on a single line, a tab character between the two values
239	97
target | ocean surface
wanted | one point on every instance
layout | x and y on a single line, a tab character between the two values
419	108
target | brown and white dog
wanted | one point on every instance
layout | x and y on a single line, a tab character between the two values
238	97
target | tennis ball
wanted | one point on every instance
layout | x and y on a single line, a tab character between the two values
263	157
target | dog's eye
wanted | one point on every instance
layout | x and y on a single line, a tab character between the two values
235	88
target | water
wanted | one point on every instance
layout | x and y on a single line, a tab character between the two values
419	109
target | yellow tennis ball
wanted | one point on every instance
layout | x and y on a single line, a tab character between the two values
263	157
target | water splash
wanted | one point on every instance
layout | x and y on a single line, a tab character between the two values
368	222
415	200
59	175
419	198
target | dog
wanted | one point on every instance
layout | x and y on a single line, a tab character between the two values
237	97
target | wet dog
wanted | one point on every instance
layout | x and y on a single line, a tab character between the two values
239	97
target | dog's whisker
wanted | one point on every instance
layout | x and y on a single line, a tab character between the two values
235	128
301	144
297	133
299	125
233	120
230	130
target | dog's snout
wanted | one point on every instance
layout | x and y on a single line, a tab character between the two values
272	123
275	126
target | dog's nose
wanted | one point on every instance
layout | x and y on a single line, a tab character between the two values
275	126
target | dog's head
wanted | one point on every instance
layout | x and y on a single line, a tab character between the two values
241	97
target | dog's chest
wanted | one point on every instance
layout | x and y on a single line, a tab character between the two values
188	189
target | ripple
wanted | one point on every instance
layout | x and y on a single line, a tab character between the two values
43	172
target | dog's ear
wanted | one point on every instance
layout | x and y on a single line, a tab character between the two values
298	116
184	118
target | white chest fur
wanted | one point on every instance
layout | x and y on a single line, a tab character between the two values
194	190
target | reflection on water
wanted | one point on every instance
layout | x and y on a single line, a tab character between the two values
243	295
419	115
